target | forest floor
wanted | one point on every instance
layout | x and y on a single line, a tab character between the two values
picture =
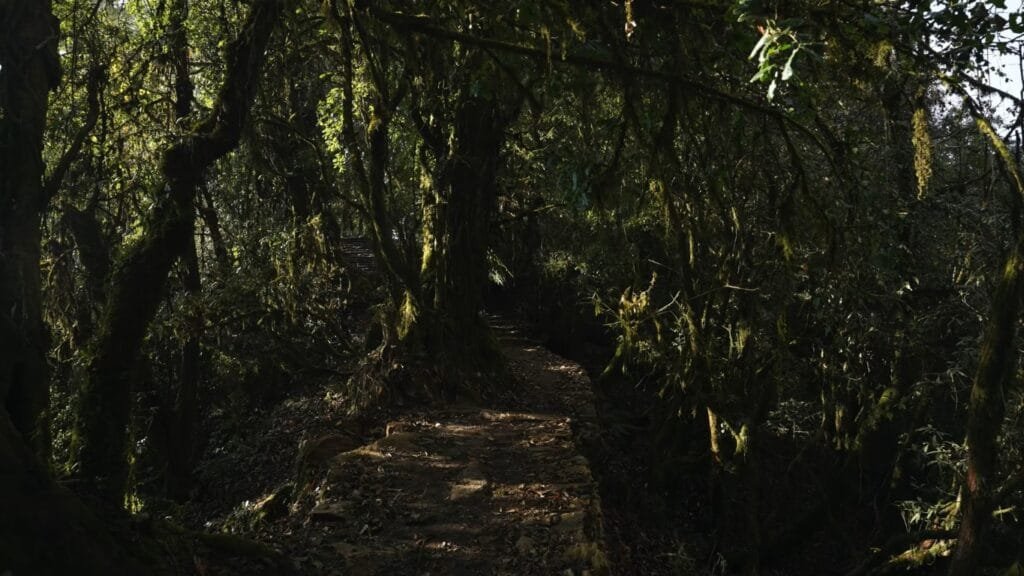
495	489
556	478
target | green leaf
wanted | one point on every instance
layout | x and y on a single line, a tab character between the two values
1017	23
763	73
759	46
787	71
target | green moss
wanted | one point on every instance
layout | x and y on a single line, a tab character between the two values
922	151
591	555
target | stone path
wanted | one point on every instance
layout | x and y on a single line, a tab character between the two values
473	490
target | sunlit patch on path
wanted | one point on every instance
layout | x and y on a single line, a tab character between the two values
473	490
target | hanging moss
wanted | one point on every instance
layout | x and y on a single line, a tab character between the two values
922	151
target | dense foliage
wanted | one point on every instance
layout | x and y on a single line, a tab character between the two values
785	236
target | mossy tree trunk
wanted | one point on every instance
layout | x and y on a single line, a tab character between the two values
29	69
183	408
443	320
996	366
43	528
183	402
985	415
463	125
138	278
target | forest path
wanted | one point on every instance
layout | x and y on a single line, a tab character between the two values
472	490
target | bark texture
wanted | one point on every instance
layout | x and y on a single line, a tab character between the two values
44	529
444	320
996	365
985	416
29	69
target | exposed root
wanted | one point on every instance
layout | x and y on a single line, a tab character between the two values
895	553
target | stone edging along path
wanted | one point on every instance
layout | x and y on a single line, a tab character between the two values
474	491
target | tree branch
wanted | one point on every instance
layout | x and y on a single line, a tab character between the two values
423	25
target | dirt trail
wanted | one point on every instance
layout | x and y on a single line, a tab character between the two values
472	490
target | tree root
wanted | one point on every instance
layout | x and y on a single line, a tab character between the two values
902	550
233	545
239	546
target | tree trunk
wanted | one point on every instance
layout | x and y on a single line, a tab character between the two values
437	303
996	366
208	213
93	249
180	440
44	529
985	414
29	69
138	279
456	227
